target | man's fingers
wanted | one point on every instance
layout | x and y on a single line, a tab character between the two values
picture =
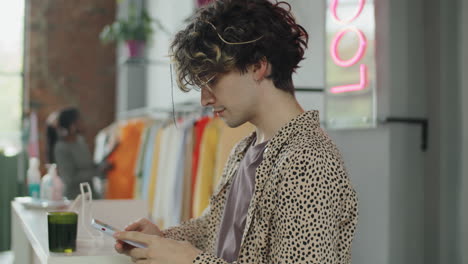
138	253
122	247
118	248
135	226
134	236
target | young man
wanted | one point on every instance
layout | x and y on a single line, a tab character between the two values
285	196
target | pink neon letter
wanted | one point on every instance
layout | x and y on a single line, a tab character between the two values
334	5
354	87
360	52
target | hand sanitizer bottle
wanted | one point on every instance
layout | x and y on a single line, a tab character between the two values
34	178
52	185
57	184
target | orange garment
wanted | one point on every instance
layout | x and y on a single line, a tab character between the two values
121	179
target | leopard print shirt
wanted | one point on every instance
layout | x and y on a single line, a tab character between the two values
304	208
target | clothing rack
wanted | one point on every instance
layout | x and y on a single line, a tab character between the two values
158	112
172	162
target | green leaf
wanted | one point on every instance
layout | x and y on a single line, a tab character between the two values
135	27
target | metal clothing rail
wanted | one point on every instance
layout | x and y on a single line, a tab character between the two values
180	109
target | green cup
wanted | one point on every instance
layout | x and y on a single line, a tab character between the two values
62	231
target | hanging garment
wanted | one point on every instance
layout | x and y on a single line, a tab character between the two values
121	179
228	137
154	171
175	214
199	128
163	181
187	183
148	160
105	142
206	166
99	146
142	147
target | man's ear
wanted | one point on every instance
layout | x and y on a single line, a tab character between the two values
261	69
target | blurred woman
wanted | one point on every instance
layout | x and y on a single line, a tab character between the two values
71	153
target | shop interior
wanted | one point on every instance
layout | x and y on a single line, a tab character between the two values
389	79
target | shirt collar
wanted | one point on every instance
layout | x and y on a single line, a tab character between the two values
305	120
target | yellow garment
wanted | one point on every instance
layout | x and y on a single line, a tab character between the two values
228	138
206	166
154	170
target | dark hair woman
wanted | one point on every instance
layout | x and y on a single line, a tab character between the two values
71	153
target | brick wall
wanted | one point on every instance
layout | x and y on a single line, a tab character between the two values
66	65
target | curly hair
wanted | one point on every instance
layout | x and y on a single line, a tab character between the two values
235	34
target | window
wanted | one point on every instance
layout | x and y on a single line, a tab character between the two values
11	74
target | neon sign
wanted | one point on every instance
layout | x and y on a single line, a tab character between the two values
334	7
360	53
350	98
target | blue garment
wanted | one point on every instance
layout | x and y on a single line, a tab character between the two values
148	159
184	133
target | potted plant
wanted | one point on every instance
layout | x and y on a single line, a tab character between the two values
135	31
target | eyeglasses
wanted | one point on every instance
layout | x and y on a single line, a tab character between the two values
206	83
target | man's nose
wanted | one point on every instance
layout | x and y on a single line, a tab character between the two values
207	97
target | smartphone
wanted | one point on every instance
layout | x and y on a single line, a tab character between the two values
109	230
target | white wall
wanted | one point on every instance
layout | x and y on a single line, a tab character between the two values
450	138
131	78
309	14
311	74
366	154
171	14
386	165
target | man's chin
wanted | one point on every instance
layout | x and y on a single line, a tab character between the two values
232	124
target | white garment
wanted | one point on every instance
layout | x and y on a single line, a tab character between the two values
171	214
175	215
160	203
99	146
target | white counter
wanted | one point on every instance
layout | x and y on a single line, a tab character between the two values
30	238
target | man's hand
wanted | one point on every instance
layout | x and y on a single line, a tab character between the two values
159	250
142	225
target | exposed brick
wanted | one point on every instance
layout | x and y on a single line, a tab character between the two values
68	66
